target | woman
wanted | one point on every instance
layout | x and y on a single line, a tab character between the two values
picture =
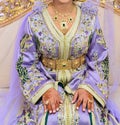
63	67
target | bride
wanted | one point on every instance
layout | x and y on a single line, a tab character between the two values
62	63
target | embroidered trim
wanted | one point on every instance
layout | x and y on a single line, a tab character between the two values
22	71
63	42
69	90
61	118
113	119
41	91
43	120
93	119
67	111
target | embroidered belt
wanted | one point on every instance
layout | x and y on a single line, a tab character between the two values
63	64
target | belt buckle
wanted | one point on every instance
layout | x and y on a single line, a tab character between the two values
63	64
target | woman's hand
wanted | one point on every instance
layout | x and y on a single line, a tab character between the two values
51	100
83	97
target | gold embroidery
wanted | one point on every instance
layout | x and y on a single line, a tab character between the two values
93	119
41	91
61	119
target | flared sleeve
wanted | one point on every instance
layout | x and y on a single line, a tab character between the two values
96	77
34	79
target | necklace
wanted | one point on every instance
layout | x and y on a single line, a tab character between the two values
63	20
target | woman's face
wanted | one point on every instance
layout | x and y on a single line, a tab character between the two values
63	1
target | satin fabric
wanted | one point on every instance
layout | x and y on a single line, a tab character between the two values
42	38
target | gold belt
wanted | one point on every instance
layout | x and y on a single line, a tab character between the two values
63	64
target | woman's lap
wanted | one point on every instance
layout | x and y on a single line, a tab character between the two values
67	114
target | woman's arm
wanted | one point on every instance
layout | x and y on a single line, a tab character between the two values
34	79
96	77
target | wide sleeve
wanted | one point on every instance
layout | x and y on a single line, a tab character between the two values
96	77
34	79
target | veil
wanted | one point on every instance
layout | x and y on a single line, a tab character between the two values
15	98
114	65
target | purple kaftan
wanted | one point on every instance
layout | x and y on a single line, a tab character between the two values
42	38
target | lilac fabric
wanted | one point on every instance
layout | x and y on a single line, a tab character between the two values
34	40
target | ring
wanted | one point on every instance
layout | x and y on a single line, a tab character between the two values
90	101
46	102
